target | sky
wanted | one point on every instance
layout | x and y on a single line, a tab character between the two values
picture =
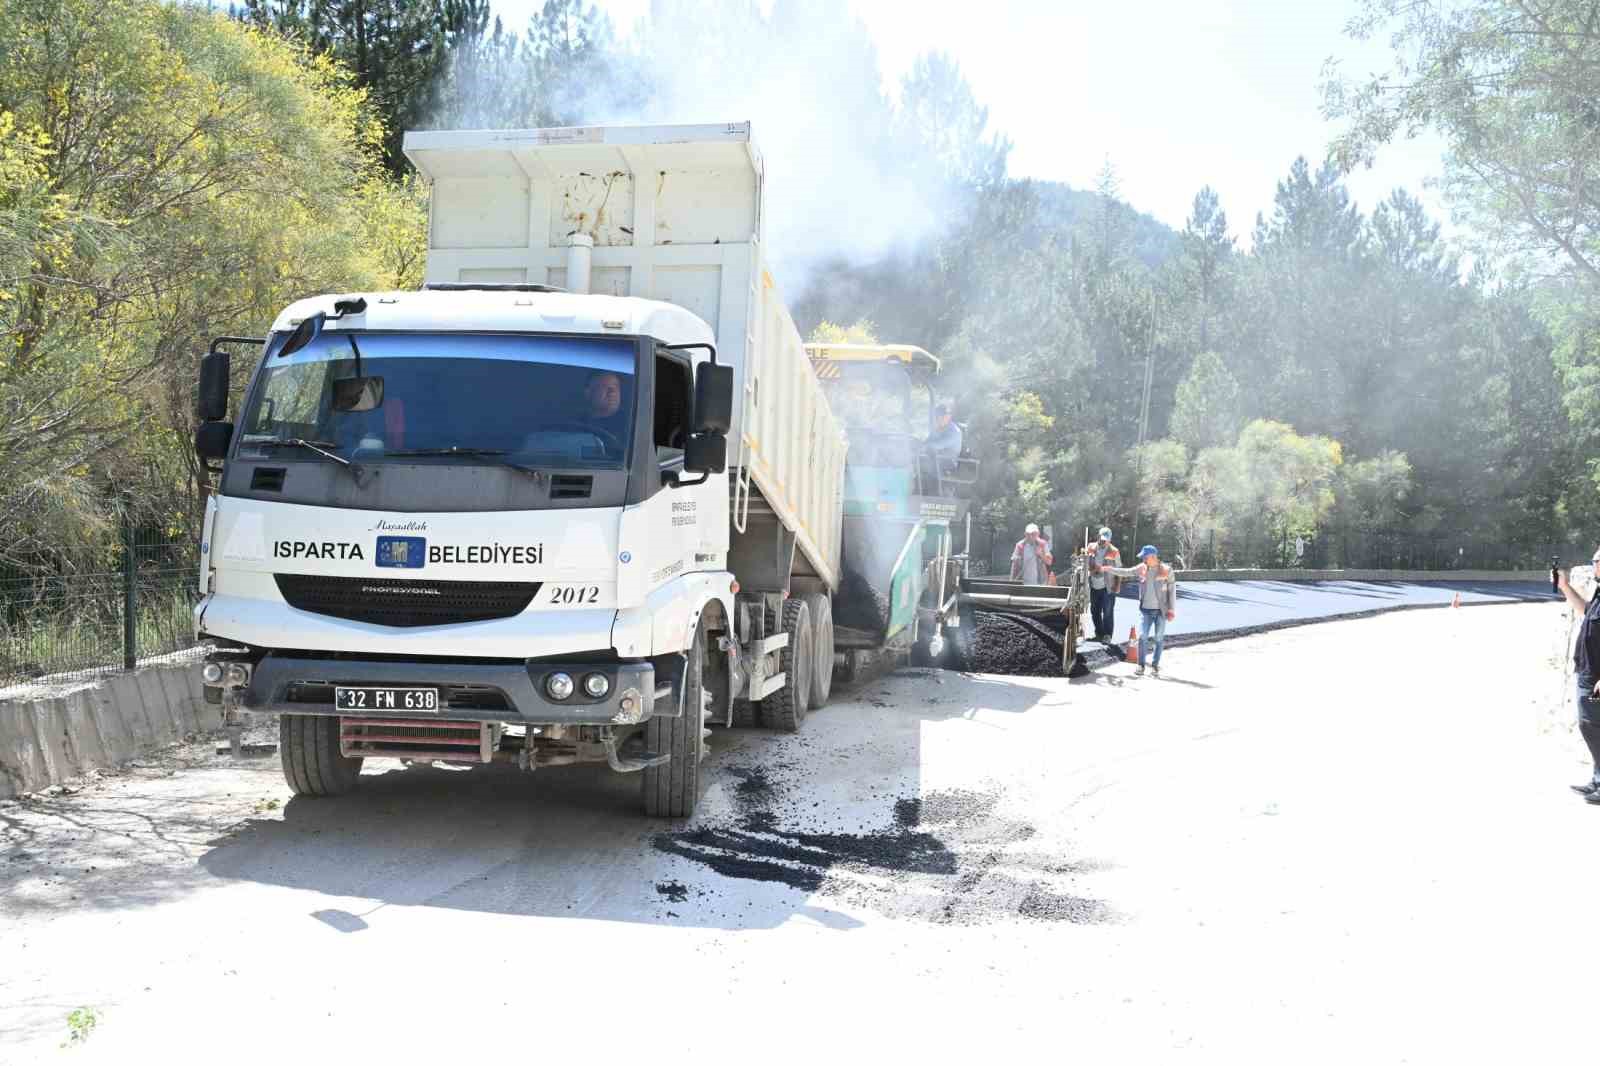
1175	93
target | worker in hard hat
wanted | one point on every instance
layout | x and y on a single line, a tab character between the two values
1031	559
1158	601
1103	587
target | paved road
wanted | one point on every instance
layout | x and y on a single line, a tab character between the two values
1212	607
1289	849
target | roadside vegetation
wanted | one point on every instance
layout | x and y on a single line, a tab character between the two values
170	173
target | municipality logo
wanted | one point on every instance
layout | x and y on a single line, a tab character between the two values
408	553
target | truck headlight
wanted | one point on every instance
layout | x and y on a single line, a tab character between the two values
558	685
212	673
237	675
596	685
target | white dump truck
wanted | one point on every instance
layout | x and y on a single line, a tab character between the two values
576	500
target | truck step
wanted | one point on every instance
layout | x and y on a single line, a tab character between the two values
633	758
417	739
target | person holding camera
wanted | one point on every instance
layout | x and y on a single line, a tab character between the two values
1586	659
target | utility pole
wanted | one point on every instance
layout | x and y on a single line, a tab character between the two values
1144	420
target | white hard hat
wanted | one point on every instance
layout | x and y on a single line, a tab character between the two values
1105	531
1032	528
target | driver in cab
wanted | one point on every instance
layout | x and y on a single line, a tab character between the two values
600	425
602	396
603	409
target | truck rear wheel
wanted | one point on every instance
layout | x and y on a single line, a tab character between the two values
672	790
821	648
786	708
312	763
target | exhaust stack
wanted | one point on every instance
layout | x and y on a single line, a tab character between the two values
580	256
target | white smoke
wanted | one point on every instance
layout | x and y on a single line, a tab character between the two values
810	85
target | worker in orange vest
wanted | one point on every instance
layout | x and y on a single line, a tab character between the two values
1103	587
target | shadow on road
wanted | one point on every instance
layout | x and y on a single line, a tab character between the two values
781	816
780	813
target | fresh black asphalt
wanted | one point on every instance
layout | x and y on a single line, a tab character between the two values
1213	609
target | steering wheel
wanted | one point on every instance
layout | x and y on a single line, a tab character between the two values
609	441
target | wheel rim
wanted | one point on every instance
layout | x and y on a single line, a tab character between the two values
822	652
803	638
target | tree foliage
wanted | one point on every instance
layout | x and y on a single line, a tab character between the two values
206	174
168	175
398	51
1511	86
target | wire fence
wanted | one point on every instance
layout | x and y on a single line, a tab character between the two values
74	612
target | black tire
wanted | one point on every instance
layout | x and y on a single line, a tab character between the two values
745	715
672	790
854	666
821	648
312	764
786	708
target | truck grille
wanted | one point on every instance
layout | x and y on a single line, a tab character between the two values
388	601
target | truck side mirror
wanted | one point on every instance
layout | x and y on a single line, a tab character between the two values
212	402
211	440
713	400
706	453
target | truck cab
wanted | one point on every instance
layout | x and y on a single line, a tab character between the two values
494	520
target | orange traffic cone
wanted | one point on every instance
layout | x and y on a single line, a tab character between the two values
1456	602
1133	645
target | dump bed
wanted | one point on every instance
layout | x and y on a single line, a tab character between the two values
675	214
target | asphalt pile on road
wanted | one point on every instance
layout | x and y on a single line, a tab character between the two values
1012	644
947	857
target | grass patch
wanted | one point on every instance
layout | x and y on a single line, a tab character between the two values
80	1023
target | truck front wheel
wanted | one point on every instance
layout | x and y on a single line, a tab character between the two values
312	763
672	790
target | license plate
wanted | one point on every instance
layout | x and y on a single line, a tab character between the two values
386	698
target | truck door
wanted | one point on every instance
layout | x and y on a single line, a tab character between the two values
680	533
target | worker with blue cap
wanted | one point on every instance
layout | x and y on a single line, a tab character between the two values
1158	601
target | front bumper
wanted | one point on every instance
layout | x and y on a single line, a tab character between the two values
469	691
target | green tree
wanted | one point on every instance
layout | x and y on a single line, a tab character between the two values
940	120
1207	257
398	50
1374	490
863	332
1512	86
1281	483
171	175
1208	410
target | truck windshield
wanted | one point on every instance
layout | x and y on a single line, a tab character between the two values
544	401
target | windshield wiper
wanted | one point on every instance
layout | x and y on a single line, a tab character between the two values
489	453
321	447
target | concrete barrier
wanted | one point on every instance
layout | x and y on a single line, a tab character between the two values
1409	576
56	733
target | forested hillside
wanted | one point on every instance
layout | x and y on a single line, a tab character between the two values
1329	371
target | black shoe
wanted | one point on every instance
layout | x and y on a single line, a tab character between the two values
1593	797
1585	790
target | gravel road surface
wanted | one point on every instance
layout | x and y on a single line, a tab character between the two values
1349	842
